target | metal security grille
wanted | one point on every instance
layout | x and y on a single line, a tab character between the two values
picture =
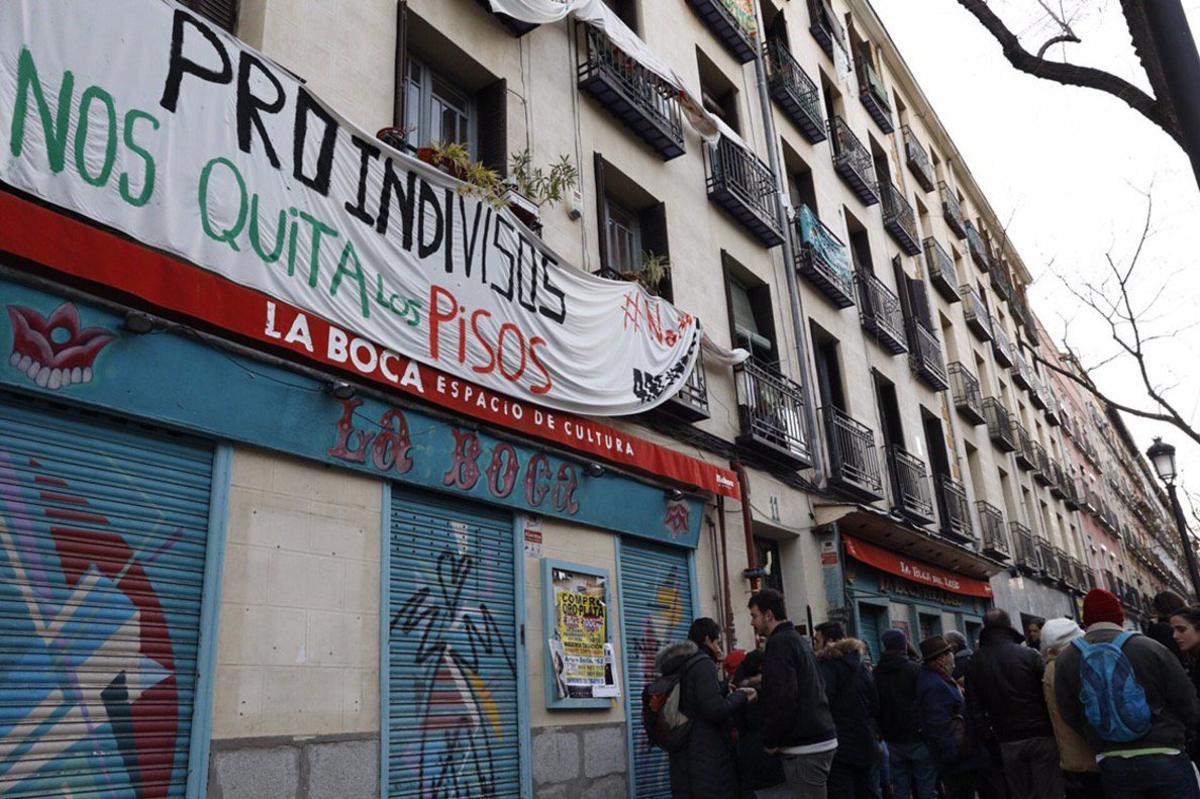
871	620
453	727
656	594
103	528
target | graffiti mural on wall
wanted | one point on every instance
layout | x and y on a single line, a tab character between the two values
55	351
463	654
88	693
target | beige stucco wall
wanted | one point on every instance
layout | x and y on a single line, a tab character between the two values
298	648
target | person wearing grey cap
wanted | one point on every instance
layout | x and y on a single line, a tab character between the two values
1081	775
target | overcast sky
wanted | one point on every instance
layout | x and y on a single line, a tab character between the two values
1071	167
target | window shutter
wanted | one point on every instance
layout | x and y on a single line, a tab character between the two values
601	210
902	288
653	221
222	12
920	302
399	110
492	126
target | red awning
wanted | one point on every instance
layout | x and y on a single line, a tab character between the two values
915	570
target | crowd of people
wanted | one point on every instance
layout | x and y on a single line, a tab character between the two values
1059	712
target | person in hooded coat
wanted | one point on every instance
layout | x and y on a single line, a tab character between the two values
706	768
855	706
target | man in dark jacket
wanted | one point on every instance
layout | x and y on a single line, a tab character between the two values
759	773
707	767
1004	690
1154	766
855	707
909	757
940	712
797	724
962	653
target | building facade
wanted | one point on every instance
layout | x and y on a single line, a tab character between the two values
236	570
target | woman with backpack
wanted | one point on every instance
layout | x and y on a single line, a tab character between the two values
705	766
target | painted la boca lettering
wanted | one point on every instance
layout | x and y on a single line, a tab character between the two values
461	237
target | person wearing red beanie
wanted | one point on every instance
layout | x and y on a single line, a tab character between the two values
1100	605
1156	765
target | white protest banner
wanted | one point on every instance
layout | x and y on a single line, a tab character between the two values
141	116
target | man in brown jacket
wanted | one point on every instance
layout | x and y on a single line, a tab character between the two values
1081	775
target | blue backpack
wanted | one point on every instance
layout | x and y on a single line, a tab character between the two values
1114	702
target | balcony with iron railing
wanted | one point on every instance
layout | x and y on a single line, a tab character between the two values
1026	458
515	26
737	34
917	159
1020	371
691	403
853	459
1037	391
741	184
992	532
952	210
899	219
794	91
975	313
977	248
853	162
925	356
644	102
822	258
1070	492
1025	553
1053	409
1018	309
1002	346
1049	561
873	93
825	27
1001	282
954	510
1056	480
1041	460
771	414
910	485
941	270
880	313
968	399
999	424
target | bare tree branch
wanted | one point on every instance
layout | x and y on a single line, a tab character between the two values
1073	74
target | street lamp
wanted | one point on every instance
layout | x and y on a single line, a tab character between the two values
1162	456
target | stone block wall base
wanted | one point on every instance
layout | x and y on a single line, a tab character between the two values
584	762
337	767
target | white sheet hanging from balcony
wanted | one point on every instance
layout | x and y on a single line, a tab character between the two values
599	15
717	355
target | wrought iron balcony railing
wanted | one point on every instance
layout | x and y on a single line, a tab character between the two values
823	259
1002	346
794	91
975	312
910	485
1053	409
853	458
1041	471
952	210
1001	281
691	403
1049	560
873	93
1025	552
999	424
954	510
880	312
643	101
964	387
1020	372
824	26
741	183
1026	458
737	34
899	219
978	249
991	527
853	161
771	414
918	159
1070	492
1037	391
1056	479
941	270
925	356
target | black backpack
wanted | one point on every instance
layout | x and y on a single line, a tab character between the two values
666	725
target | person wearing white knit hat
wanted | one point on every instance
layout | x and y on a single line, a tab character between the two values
1081	775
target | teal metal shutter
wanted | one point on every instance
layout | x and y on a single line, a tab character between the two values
103	527
656	598
870	619
453	727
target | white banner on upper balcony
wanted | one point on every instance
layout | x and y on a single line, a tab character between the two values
141	116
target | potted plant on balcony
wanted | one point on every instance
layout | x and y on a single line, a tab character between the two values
532	187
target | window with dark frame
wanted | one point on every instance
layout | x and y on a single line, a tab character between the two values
750	317
223	13
633	227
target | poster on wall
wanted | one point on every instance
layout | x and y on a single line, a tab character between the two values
580	654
